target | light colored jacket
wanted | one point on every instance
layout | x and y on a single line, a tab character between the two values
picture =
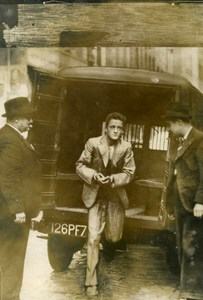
94	159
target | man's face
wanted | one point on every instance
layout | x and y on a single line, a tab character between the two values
114	129
175	127
24	123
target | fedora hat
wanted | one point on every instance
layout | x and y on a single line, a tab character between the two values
18	106
177	110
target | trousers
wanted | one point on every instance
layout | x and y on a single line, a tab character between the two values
106	215
13	241
189	232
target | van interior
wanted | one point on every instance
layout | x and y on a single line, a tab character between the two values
80	114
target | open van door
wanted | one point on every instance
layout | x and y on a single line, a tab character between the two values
48	96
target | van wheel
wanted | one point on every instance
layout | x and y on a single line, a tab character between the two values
60	256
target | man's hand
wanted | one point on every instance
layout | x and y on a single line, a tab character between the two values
20	218
39	217
198	210
100	178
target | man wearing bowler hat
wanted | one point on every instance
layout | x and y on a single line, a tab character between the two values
20	192
184	199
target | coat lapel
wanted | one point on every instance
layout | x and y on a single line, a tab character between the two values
118	152
28	144
13	131
104	150
190	139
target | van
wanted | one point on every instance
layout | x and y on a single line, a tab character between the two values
71	107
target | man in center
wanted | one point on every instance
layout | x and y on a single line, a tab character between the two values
106	165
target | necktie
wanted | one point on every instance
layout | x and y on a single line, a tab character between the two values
109	165
181	142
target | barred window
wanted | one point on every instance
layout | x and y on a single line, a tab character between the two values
134	134
158	138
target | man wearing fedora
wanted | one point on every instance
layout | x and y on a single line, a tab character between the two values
20	192
184	199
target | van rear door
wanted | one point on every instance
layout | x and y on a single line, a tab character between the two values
48	95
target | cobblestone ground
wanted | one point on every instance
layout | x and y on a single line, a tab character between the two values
140	273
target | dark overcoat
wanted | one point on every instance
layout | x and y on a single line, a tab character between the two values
189	169
20	175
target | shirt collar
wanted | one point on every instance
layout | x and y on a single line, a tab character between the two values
187	133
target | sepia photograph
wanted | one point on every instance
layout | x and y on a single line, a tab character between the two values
101	153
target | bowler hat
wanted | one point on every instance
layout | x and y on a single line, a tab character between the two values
18	106
177	110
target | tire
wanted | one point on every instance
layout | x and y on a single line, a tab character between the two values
59	254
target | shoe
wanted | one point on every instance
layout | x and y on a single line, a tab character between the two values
92	291
108	256
109	250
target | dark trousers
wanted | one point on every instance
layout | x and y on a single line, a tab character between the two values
189	232
13	243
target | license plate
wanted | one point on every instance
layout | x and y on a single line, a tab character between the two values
69	229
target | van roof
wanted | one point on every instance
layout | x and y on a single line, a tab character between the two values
125	75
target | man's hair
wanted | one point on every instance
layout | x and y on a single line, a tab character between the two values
115	116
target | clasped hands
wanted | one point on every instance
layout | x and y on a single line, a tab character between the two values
101	179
